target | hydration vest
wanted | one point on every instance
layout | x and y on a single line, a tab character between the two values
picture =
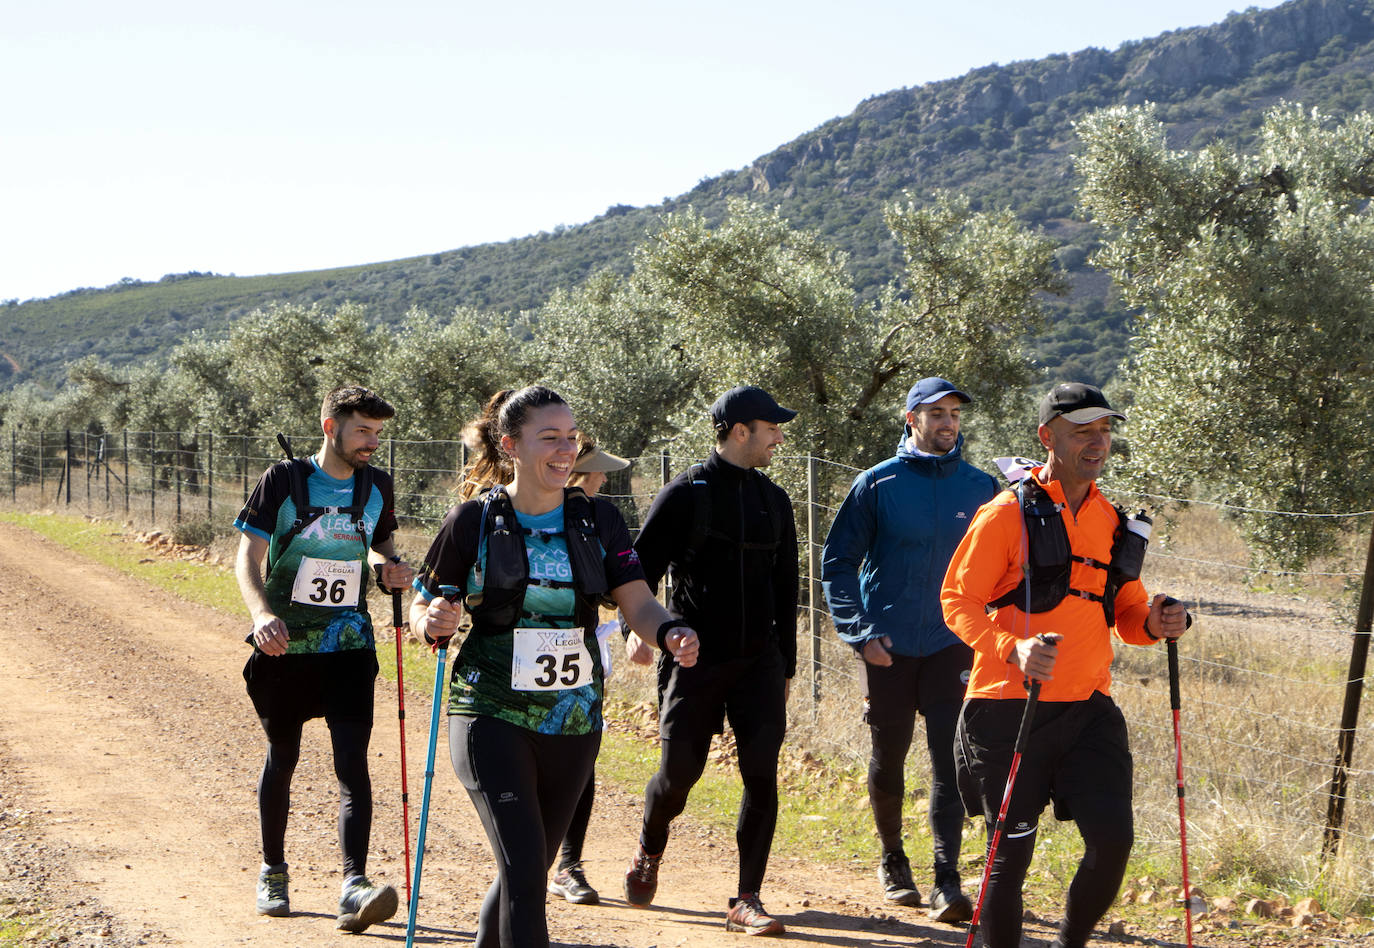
702	530
298	471
1050	559
498	604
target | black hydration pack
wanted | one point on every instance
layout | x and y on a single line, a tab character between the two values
298	471
1050	559
498	604
701	529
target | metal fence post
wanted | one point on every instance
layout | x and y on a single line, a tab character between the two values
67	467
126	473
86	462
41	492
1350	712
177	455
243	464
814	599
14	480
152	476
210	475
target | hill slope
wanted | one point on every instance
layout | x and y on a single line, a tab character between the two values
1001	134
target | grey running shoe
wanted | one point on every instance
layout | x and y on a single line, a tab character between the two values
747	915
641	879
272	896
571	883
363	904
894	875
947	902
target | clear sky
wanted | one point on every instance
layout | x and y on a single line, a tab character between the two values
152	137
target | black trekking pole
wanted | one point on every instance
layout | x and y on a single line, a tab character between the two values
1021	736
401	715
1172	646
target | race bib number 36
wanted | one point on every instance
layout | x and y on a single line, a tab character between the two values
549	660
327	582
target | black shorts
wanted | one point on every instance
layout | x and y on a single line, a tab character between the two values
892	694
1076	750
288	690
694	702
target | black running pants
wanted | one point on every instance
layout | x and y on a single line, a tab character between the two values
519	783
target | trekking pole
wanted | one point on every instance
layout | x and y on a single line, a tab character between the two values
1021	736
450	593
401	716
1172	646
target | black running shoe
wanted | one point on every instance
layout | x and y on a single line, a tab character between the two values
947	902
894	875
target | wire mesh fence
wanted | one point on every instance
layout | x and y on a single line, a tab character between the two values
1265	679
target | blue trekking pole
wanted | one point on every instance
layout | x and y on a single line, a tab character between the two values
450	593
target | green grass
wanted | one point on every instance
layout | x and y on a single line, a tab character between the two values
12	933
105	543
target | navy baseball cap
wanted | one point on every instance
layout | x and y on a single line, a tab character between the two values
932	390
746	403
1077	402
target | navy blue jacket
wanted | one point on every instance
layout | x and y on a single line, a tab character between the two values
892	539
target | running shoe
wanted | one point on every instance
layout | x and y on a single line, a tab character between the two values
747	915
571	884
272	896
363	904
947	902
641	879
894	875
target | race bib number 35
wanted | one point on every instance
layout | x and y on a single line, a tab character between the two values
327	582
549	660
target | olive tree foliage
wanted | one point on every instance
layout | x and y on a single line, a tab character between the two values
1254	276
620	359
971	294
763	302
283	359
438	374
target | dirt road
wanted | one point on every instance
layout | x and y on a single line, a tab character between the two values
128	762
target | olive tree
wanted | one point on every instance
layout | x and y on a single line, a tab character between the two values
1253	275
761	301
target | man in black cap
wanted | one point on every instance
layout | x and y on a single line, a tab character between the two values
725	533
1053	622
883	564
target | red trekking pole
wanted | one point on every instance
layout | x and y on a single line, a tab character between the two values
401	715
1021	737
1172	646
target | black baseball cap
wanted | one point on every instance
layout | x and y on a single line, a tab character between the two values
746	403
932	390
1077	402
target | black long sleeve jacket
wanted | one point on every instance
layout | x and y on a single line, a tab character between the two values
740	601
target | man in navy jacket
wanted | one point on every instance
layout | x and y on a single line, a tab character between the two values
882	569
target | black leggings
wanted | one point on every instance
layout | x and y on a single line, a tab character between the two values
681	766
1077	757
518	781
571	852
350	740
932	685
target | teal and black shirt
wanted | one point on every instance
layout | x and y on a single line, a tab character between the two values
318	584
487	679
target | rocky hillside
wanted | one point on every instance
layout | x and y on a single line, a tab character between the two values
1001	134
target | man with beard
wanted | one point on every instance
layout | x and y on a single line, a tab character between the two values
319	523
726	534
882	569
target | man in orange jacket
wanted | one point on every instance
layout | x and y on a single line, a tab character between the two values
1082	582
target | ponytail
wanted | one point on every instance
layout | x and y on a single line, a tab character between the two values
504	414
